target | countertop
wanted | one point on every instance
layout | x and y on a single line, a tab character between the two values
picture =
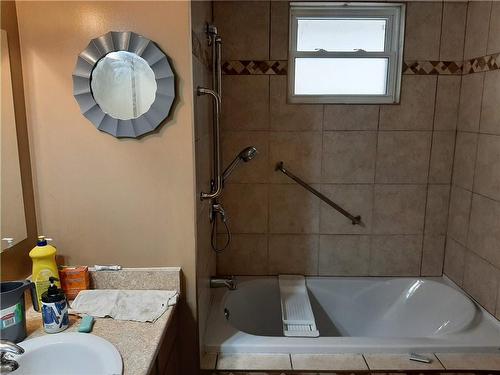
137	342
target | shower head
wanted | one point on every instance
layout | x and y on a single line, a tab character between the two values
245	155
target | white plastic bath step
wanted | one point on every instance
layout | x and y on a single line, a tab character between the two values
296	311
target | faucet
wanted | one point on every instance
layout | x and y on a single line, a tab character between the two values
8	365
220	282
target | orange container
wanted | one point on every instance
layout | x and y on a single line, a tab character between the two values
73	280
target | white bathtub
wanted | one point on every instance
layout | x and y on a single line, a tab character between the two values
353	315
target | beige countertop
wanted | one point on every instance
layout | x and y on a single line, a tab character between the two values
137	342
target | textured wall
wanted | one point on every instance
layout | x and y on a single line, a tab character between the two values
102	199
473	243
389	163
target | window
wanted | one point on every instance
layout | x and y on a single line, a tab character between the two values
345	53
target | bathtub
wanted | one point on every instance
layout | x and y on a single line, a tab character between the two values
353	315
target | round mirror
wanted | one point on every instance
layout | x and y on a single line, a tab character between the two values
123	85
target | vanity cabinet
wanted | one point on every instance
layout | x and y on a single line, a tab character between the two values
167	359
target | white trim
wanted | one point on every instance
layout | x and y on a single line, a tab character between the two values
394	13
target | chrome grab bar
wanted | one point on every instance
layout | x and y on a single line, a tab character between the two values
217	188
354	219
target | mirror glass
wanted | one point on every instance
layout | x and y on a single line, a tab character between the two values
13	220
123	85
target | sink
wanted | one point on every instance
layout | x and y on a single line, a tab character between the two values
68	354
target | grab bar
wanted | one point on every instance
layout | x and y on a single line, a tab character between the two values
354	219
217	188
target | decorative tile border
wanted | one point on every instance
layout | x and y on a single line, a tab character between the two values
433	67
482	64
251	67
411	67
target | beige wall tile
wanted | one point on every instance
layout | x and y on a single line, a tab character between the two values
458	220
279	30
250	361
203	169
469	110
292	209
397	362
497	314
478	16
465	159
481	281
490	112
357	199
436	214
472	361
244	27
208	361
454	261
423	27
433	255
344	255
246	255
487	174
395	255
329	362
286	116
447	100
403	157
300	152
245	102
443	147
494	34
257	169
416	110
246	207
351	117
484	229
293	254
349	157
399	209
453	30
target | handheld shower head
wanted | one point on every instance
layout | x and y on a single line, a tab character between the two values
248	153
245	155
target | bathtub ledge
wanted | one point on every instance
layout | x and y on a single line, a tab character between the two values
397	362
329	362
470	361
254	362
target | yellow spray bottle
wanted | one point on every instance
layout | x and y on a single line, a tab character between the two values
44	266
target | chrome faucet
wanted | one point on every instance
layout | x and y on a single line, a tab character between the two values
6	364
221	282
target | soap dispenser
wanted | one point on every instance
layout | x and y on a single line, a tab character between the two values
54	308
44	266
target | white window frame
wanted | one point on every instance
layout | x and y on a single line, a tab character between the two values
394	13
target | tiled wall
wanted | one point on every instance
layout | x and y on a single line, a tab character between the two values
201	13
473	243
391	164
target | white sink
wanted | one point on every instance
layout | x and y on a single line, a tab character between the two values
68	354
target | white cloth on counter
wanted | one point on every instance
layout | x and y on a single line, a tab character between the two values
136	305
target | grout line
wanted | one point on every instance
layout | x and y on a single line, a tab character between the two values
366	362
441	31
429	164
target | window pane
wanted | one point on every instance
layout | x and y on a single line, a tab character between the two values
340	76
341	34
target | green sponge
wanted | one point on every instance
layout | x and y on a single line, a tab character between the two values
86	324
